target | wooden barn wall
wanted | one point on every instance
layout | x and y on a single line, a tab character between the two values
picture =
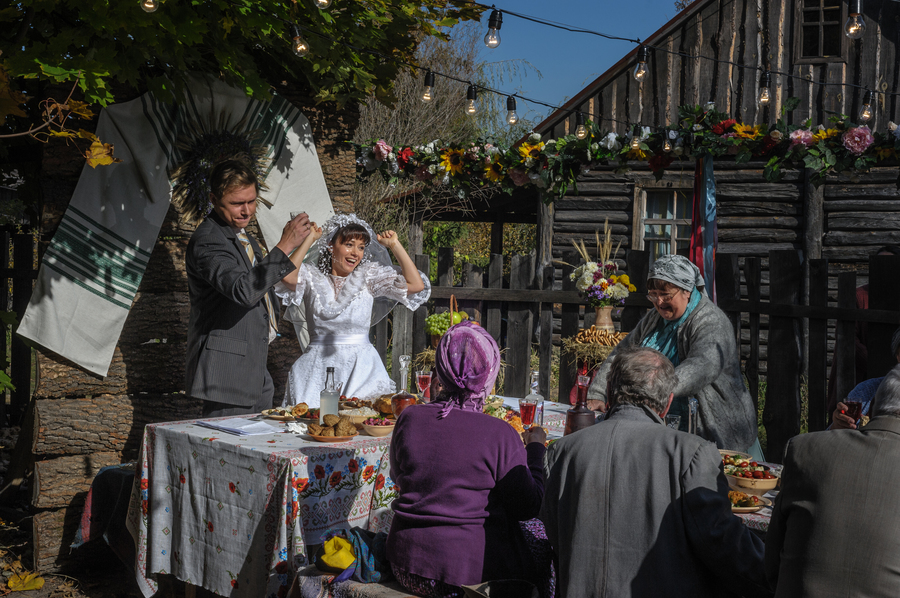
748	32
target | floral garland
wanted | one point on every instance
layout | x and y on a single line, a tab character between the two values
842	147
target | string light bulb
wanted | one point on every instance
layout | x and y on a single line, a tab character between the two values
149	5
765	93
580	130
640	71
855	27
636	138
667	145
492	37
471	96
866	112
428	92
298	45
322	4
511	116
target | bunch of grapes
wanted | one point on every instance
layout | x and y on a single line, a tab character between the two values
438	323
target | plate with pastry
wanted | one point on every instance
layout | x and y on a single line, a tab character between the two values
279	414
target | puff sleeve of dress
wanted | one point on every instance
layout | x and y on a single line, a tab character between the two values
389	282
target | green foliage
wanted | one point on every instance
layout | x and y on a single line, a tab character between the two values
472	244
245	42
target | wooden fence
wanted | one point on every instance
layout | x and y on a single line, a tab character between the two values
526	312
17	274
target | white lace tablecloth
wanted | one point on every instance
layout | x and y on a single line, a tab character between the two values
234	514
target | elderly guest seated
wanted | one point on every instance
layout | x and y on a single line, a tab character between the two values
835	528
863	393
464	478
699	340
636	509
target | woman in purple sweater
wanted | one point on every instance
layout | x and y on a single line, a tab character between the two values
464	478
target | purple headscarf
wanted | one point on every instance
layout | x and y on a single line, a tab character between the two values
466	362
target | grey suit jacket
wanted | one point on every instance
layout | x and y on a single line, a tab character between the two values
710	370
228	330
835	529
636	509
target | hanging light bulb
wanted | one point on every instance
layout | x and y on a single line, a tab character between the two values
636	138
322	4
667	145
580	130
866	112
511	116
428	92
471	96
855	27
765	94
492	37
640	71
299	45
149	5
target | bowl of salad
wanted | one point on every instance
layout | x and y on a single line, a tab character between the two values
378	426
748	476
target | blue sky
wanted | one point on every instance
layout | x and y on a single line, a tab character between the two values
569	61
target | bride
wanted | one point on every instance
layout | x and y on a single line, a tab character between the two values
353	287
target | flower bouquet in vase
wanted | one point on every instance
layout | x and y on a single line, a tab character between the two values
598	281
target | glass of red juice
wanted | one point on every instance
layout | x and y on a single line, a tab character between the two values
527	409
423	381
853	410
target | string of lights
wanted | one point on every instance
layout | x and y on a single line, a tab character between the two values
854	29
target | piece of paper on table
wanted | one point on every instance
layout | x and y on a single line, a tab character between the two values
239	426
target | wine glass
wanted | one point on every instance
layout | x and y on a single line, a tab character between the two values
423	381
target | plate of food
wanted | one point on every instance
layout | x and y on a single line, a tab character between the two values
311	415
741	502
331	438
334	429
749	476
279	414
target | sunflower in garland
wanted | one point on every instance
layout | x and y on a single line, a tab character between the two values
748	131
495	171
824	134
531	150
452	161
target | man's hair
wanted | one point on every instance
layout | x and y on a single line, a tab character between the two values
887	397
229	175
641	376
892	249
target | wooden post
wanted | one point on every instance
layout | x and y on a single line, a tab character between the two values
545	344
638	264
497	237
884	287
817	352
473	279
544	242
845	338
518	332
728	288
814	219
493	318
20	362
568	328
752	274
445	275
781	414
416	234
420	339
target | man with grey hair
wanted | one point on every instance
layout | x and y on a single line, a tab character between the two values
634	508
835	528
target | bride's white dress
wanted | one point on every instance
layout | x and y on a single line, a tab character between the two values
338	314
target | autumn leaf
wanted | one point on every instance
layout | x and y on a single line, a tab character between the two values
82	134
100	154
54	133
80	109
21	582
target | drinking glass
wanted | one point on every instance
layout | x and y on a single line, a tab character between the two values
423	381
673	421
854	410
527	411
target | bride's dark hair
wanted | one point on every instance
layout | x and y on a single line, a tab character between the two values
348	232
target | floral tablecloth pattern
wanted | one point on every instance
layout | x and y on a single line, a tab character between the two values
234	514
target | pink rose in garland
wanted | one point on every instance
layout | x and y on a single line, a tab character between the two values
381	150
519	177
858	140
801	137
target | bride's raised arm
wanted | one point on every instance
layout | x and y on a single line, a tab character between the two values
315	233
414	282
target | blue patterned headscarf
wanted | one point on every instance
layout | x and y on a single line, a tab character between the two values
678	270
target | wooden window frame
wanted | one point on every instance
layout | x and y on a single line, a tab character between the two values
640	208
798	37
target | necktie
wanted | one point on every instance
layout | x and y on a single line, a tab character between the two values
273	327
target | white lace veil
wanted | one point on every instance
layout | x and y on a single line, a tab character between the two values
321	249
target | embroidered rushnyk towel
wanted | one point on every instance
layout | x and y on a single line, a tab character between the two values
94	264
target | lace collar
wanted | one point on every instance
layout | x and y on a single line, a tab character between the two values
332	297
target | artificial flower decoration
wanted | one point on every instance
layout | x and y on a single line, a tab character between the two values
494	172
743	131
531	150
452	161
858	140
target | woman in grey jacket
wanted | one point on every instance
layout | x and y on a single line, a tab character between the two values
699	339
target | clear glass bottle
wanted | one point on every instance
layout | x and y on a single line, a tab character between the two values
531	408
403	399
329	398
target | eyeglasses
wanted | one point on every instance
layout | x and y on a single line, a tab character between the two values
665	298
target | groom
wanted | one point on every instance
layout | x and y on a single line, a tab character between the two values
234	310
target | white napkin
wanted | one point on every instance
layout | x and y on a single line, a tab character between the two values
239	426
297	427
